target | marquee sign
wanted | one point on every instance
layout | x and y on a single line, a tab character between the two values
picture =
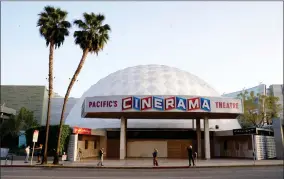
108	104
247	131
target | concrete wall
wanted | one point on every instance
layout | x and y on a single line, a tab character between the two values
92	150
33	98
146	148
264	147
75	144
72	148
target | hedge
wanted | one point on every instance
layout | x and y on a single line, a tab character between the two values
53	137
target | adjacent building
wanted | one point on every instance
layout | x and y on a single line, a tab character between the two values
277	91
6	113
33	98
259	89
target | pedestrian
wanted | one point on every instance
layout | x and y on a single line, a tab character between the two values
195	157
42	154
79	154
101	157
190	155
155	157
39	152
27	150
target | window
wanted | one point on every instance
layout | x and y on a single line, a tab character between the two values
86	144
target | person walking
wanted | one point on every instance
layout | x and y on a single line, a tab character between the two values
101	157
190	156
27	150
155	157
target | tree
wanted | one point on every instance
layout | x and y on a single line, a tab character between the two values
92	36
258	109
11	126
22	121
28	118
53	27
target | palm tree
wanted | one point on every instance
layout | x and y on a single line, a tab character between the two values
53	27
92	36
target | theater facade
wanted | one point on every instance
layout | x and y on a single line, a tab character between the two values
124	142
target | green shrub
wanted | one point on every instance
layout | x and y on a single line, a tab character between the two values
53	137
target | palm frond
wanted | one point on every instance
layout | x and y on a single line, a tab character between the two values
53	25
92	34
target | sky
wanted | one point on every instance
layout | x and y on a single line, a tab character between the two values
230	45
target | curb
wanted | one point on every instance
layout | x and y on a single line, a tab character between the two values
160	167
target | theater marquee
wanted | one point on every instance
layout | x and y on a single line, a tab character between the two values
108	104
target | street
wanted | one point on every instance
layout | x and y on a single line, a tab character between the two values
191	173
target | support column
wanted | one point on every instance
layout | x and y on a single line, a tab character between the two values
123	125
72	152
192	120
206	139
198	140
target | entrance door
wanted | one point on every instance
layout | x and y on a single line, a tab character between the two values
178	148
113	148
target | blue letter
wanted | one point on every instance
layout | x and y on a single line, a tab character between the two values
158	103
136	103
205	104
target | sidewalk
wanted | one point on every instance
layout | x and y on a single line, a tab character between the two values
147	163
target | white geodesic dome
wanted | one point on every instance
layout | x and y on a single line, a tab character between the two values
147	80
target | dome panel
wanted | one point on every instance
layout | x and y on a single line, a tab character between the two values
147	80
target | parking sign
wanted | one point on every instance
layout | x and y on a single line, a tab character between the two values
35	136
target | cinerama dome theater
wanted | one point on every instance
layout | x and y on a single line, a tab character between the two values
147	80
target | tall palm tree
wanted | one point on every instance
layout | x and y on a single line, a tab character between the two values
53	27
92	36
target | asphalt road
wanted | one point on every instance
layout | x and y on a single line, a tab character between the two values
191	173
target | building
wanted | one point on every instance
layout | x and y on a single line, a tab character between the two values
241	143
259	89
142	135
278	123
32	98
277	91
56	108
6	113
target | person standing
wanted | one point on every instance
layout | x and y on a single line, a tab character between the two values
27	150
155	157
39	153
190	155
101	157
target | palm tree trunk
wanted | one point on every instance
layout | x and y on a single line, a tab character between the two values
84	56
50	89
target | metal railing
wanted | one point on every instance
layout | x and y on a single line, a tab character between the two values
10	157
